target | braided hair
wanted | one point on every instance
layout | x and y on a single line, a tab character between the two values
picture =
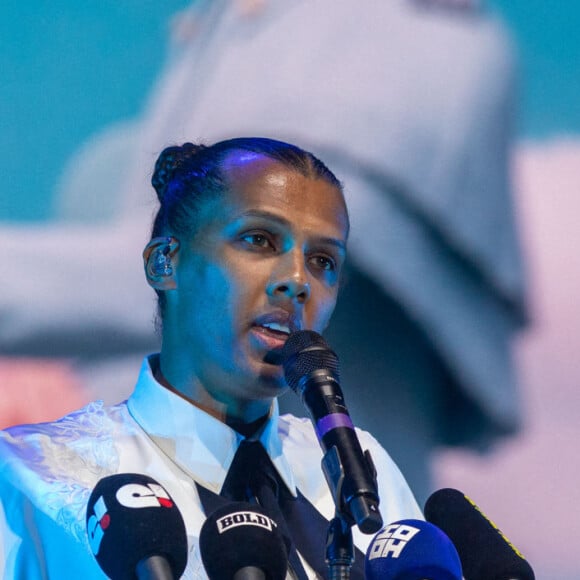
188	173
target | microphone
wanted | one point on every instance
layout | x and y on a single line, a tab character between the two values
135	529
412	550
485	553
239	541
311	371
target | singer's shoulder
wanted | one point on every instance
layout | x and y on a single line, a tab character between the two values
53	466
47	473
89	420
74	444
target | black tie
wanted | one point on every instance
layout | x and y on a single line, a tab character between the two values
252	477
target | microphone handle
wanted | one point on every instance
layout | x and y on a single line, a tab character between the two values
351	471
249	573
154	568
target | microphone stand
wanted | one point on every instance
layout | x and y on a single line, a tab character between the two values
339	548
339	544
154	568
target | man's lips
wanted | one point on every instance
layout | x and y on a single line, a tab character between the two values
269	338
278	322
272	329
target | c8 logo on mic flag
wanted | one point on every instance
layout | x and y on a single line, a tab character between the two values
121	502
136	495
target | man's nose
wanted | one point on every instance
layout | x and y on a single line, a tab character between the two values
290	279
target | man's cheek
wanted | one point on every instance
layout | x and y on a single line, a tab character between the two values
323	316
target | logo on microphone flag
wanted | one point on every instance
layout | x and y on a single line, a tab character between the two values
391	541
131	495
136	495
244	518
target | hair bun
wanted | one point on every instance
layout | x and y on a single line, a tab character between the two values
168	163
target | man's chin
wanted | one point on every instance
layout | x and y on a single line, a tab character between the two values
274	357
272	377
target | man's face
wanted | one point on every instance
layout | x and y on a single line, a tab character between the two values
265	261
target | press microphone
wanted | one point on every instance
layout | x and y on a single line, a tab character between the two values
135	529
311	370
239	541
485	553
412	550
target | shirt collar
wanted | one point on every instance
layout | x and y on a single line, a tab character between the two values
200	444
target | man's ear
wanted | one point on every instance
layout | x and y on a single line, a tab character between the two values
159	259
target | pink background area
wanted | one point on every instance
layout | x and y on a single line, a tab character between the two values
36	390
531	486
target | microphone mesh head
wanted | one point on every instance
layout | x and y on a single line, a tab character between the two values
412	549
484	551
239	535
306	351
130	516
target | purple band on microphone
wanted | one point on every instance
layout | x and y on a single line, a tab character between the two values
333	421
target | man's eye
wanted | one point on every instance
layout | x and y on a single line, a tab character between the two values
257	239
324	263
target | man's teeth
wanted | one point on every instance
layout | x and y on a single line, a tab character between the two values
276	326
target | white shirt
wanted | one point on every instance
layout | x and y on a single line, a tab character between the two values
47	473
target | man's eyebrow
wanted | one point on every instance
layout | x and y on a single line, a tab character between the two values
333	242
260	213
266	215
